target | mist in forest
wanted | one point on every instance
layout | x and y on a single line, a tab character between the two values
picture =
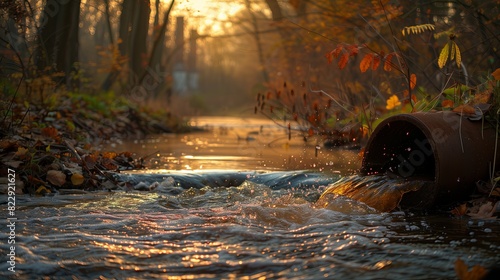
215	57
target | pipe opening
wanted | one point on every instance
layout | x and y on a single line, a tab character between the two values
400	149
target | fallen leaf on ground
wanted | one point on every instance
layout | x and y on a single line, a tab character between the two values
465	109
496	74
463	273
486	211
42	190
483	97
13	163
77	179
50	132
447	103
459	210
56	177
20	152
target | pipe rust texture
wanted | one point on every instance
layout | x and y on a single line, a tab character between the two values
443	147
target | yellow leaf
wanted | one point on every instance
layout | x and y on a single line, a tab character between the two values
417	29
21	151
496	74
77	179
458	56
42	190
443	56
392	102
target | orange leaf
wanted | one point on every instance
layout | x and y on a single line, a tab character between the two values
495	192
465	109
310	131
483	97
343	61
329	57
335	53
388	62
496	74
108	164
109	155
414	98
447	103
376	62
413	81
460	210
49	132
366	62
353	50
477	272
461	269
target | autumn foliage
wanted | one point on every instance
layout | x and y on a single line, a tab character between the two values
402	62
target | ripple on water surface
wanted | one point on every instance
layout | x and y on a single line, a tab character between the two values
250	229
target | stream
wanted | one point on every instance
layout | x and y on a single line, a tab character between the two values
238	200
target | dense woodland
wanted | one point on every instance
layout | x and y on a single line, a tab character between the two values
129	47
333	67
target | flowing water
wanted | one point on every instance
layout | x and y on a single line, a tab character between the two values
240	201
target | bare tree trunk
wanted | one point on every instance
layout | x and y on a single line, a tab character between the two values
108	23
288	48
155	56
258	42
138	49
58	38
133	32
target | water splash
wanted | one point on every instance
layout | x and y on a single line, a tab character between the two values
379	193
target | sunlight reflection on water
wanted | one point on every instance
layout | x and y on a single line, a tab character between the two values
259	221
240	231
231	143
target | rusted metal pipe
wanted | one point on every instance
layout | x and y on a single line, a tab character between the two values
442	147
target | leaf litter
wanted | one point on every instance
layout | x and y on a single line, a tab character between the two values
52	150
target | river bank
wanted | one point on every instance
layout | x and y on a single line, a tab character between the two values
56	146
